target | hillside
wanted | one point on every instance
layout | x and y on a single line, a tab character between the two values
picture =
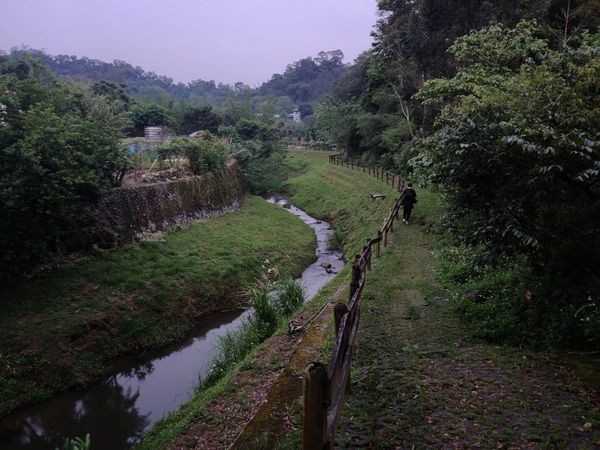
301	85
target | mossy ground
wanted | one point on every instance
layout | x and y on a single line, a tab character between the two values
64	327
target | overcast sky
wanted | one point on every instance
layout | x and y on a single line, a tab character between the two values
221	40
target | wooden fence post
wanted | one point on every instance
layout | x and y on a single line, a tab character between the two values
379	243
338	312
364	167
352	162
368	260
355	282
314	422
393	180
385	233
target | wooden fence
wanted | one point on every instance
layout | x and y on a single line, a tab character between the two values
326	385
371	169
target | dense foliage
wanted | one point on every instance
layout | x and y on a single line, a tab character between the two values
204	154
509	135
517	151
157	100
59	150
372	111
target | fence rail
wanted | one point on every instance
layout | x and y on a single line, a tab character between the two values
326	385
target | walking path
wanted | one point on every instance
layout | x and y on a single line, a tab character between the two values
420	382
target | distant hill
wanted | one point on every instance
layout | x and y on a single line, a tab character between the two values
304	82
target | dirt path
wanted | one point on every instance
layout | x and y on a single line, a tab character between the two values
420	382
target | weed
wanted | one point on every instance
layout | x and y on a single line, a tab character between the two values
412	312
236	344
265	317
288	296
77	443
337	240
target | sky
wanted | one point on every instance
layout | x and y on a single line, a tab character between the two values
222	40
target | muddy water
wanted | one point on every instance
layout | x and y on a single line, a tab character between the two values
119	410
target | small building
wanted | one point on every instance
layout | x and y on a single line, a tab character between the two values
295	116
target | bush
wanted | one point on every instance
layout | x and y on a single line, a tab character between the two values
263	166
289	296
506	303
204	154
59	151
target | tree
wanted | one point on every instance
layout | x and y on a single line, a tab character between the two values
517	151
59	151
200	118
148	115
204	154
115	92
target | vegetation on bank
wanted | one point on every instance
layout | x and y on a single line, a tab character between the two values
64	326
59	152
272	304
500	114
419	378
327	193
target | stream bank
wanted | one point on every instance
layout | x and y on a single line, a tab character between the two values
119	410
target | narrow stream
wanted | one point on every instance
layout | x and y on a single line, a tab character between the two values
117	411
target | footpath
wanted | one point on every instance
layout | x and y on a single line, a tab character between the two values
419	381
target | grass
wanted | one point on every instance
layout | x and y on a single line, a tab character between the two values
215	404
64	327
419	379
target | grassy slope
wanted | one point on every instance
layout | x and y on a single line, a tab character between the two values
63	327
216	407
419	380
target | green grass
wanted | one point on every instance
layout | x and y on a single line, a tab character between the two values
419	380
341	196
308	169
63	327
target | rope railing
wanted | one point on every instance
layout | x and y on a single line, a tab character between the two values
326	385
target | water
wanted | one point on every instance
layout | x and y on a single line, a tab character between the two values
117	411
315	276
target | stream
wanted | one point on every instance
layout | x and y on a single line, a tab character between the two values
118	410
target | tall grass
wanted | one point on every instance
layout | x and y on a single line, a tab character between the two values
288	296
268	311
337	240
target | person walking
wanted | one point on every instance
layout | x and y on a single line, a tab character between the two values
408	198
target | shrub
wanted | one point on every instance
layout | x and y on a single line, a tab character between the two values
289	296
59	151
204	154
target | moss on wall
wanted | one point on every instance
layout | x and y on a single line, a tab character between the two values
125	212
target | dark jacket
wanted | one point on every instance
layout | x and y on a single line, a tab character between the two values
408	198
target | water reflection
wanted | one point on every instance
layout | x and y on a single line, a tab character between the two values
109	413
117	411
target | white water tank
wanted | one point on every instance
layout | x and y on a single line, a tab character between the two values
153	133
